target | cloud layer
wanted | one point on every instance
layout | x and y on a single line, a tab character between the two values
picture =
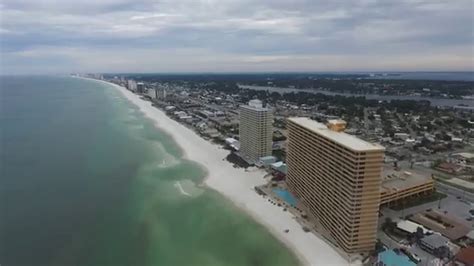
57	36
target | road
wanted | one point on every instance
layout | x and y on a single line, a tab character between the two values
456	192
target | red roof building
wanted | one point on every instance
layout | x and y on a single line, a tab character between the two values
465	257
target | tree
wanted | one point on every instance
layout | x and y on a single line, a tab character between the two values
419	234
442	252
389	224
378	248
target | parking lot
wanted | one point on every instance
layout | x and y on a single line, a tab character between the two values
451	205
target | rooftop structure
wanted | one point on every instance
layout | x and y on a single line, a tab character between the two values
337	125
439	222
257	104
433	242
398	185
348	141
411	227
337	177
464	157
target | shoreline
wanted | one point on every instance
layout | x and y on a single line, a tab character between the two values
236	185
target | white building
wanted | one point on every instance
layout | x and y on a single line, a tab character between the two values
255	131
131	85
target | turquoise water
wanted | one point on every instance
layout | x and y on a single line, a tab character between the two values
286	196
390	258
87	180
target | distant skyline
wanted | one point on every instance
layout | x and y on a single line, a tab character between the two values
52	36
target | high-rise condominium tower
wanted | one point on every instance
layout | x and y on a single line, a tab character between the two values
337	178
255	131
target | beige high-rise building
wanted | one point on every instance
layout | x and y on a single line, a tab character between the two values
337	177
256	131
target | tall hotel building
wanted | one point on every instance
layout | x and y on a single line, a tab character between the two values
337	177
256	131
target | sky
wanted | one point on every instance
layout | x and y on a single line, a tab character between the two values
65	36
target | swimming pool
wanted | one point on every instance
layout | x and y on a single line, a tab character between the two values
286	196
389	257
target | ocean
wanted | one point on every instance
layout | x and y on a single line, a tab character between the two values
86	179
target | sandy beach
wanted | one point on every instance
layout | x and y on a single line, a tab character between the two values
237	185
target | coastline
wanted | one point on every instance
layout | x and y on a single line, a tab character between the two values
237	185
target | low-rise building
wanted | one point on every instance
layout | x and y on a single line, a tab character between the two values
433	242
447	225
401	136
279	167
398	185
410	227
464	157
465	257
266	161
449	168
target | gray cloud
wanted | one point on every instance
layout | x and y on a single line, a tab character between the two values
315	35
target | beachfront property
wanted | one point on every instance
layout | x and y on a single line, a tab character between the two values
336	176
255	131
131	85
433	242
399	185
140	87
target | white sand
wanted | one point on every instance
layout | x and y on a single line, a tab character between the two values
238	186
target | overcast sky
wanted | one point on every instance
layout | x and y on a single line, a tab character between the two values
60	36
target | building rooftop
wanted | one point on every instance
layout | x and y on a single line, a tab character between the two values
256	105
344	139
466	256
435	241
466	155
336	121
447	225
411	227
400	180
